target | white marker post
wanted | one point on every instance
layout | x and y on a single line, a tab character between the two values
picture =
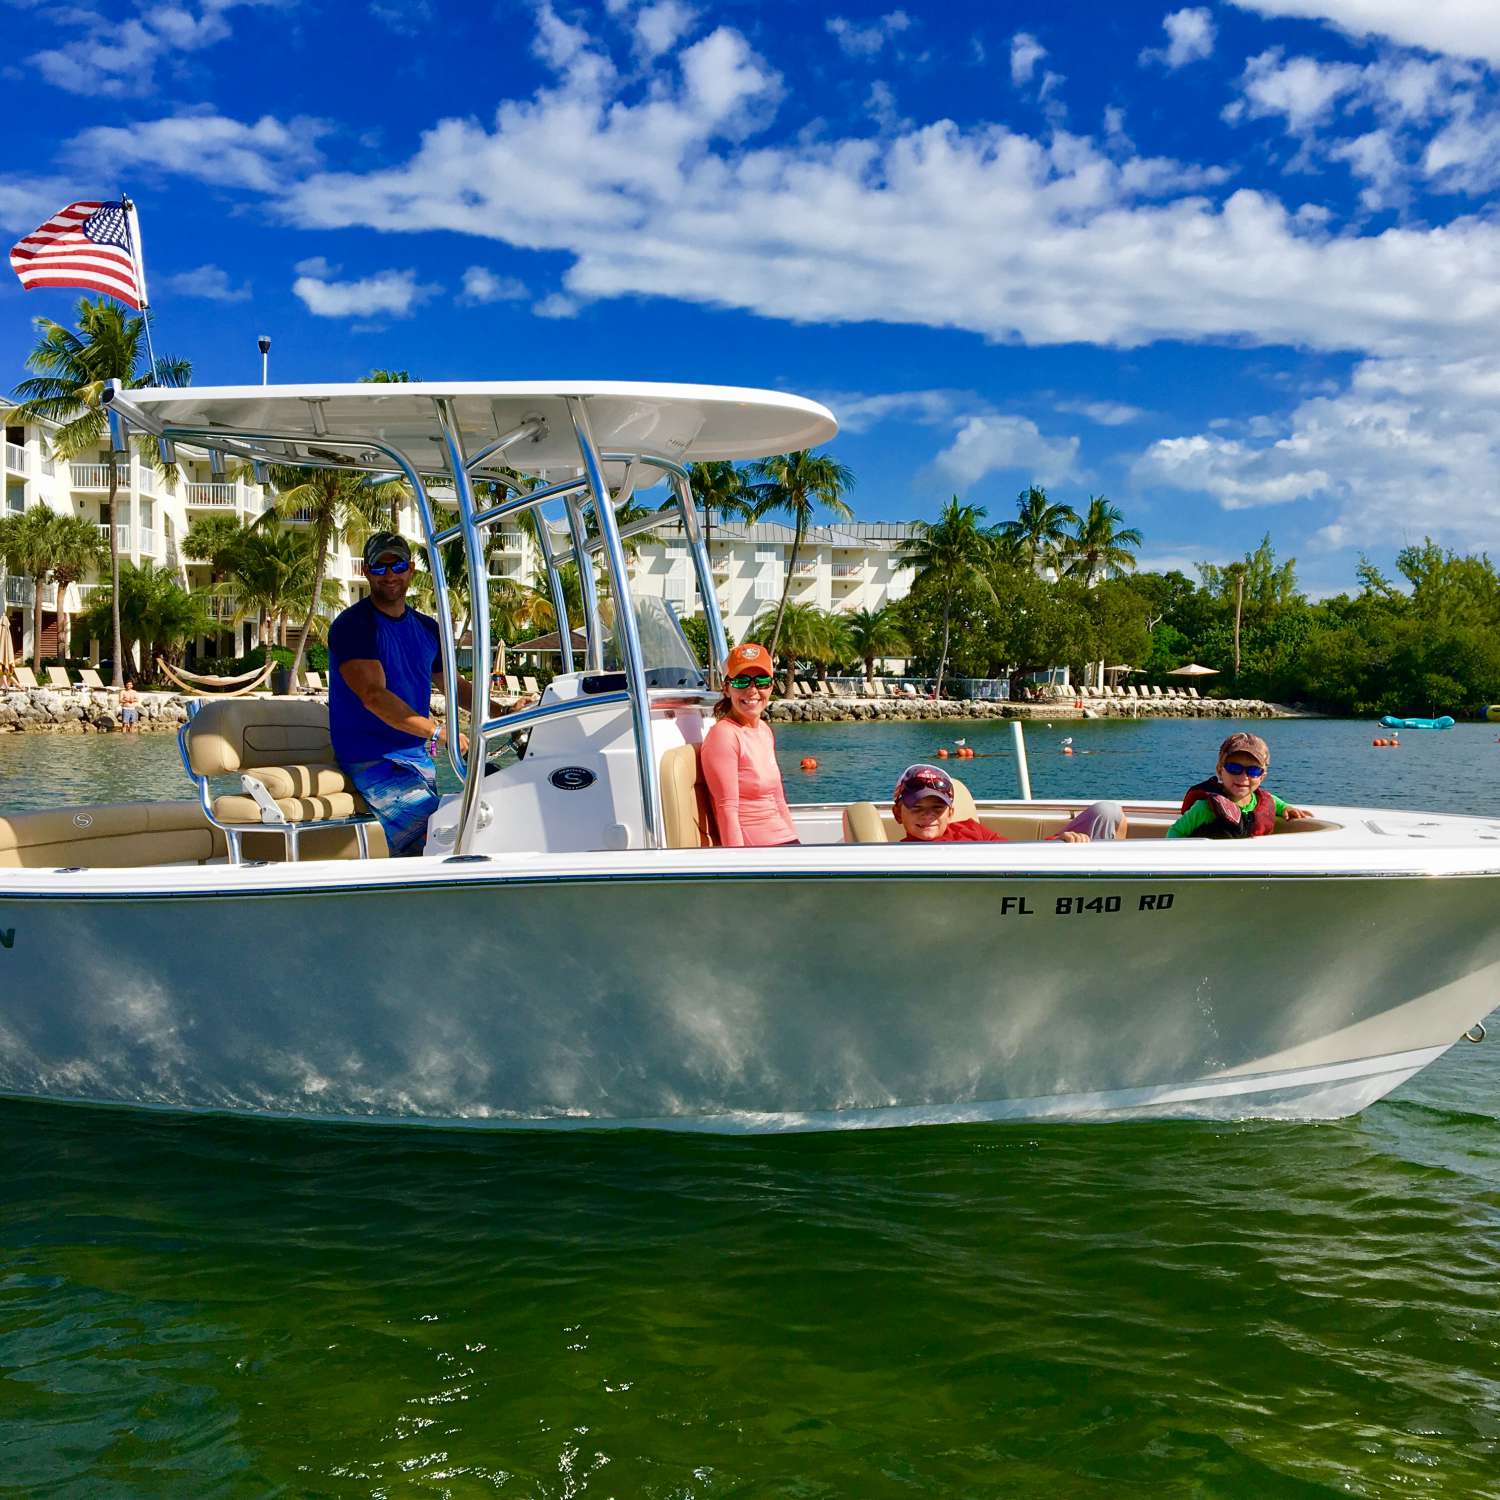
1021	767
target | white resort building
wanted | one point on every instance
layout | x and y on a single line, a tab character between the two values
848	567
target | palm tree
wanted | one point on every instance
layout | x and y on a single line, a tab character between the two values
71	372
269	571
48	546
793	484
340	505
1040	527
1097	548
77	551
392	377
803	634
872	633
949	555
719	485
153	608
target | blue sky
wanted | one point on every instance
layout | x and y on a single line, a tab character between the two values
1235	266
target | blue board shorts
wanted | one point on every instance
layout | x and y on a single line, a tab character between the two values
402	794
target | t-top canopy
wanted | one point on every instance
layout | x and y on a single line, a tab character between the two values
685	423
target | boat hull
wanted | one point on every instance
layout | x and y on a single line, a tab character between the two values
763	1001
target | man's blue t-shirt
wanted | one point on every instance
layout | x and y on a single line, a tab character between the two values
408	649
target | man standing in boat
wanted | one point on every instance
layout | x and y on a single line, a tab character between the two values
383	661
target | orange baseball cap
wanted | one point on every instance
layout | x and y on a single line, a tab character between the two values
749	659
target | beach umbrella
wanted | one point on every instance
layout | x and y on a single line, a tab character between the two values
7	650
1192	669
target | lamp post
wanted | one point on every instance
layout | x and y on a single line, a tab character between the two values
263	343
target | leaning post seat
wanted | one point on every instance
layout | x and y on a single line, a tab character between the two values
687	814
281	750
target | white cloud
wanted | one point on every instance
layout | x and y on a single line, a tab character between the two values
858	412
1408	448
659	27
1301	88
1025	53
263	156
483	285
394	293
555	305
985	444
404	17
866	41
26	202
1461	28
1190	38
1105	413
209	282
116	58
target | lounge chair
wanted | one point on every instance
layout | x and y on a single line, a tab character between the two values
1156	692
512	683
25	677
822	690
1194	694
1130	691
90	679
58	678
529	683
804	688
314	681
879	687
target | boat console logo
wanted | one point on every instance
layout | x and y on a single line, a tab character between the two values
572	778
83	820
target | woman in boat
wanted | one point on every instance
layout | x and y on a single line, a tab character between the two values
739	757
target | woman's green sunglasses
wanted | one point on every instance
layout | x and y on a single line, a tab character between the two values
744	682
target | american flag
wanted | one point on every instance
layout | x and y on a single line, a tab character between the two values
85	245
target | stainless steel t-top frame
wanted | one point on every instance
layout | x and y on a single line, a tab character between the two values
589	488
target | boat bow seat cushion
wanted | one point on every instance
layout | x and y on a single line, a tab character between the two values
686	814
245	734
303	781
112	835
241	809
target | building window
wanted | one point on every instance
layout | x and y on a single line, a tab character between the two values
765	588
15	498
765	554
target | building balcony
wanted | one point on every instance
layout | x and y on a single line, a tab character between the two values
219	495
223	608
721	567
805	570
49	467
18	591
15	458
510	541
96	476
848	571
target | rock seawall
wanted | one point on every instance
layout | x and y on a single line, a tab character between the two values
48	711
889	710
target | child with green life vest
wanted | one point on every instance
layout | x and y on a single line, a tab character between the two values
1233	803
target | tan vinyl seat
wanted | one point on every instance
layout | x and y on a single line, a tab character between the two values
865	823
687	815
284	745
110	836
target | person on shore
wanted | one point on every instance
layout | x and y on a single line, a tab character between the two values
1233	803
383	663
739	757
130	708
923	807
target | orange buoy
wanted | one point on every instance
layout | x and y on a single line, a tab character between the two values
942	755
1067	749
808	763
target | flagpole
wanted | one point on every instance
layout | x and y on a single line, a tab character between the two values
138	263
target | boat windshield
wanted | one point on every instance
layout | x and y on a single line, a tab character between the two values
665	651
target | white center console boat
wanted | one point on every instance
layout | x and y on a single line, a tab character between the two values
572	951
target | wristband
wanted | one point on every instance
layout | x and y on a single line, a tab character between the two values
432	742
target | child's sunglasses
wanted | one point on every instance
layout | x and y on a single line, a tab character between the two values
1236	769
744	681
379	570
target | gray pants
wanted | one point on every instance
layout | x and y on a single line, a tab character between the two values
1100	820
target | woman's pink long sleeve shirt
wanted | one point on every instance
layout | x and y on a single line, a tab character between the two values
739	764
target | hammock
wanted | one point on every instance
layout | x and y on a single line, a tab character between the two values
220	687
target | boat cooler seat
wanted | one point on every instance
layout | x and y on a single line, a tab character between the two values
282	752
865	823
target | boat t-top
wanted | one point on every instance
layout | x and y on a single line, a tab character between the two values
571	950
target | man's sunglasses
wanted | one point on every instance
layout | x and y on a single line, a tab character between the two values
745	681
1236	769
379	570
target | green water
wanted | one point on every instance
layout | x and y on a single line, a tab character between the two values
204	1308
